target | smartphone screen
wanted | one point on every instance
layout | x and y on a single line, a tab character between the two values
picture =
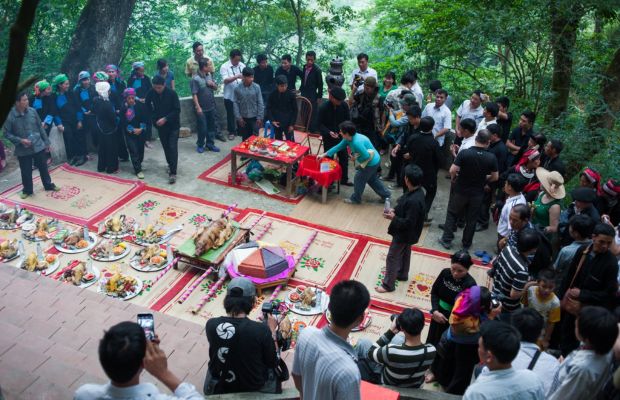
147	323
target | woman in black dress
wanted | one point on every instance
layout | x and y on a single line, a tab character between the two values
106	123
450	282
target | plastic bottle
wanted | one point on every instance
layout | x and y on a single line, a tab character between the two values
387	207
269	131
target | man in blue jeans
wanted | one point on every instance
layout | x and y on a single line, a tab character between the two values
367	157
202	86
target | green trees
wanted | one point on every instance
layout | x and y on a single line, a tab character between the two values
273	27
555	57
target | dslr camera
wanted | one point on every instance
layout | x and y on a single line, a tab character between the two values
358	81
396	317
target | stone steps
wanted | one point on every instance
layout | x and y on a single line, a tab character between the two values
49	334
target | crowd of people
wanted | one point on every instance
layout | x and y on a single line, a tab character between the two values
544	328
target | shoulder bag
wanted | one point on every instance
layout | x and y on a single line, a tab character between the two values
569	304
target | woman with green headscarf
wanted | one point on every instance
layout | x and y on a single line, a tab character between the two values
68	119
42	102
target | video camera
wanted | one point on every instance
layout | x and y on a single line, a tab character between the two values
273	308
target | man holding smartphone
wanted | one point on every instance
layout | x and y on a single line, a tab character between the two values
124	352
406	226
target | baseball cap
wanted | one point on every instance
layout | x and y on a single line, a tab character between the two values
338	93
409	100
584	194
245	285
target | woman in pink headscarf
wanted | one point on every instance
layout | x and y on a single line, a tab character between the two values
457	353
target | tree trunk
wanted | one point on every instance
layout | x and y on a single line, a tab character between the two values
605	118
98	37
564	25
18	40
297	12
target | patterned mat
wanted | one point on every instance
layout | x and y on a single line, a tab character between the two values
425	267
83	197
220	174
158	206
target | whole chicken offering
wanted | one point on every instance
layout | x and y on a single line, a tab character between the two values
115	224
212	236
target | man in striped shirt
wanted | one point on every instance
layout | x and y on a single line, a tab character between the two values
511	271
396	359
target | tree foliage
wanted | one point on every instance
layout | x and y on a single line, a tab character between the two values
273	27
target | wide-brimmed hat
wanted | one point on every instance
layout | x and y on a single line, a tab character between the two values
552	182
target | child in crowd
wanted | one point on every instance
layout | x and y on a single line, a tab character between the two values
540	296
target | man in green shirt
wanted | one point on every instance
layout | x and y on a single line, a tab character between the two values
368	158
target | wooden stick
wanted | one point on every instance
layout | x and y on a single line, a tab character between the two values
189	290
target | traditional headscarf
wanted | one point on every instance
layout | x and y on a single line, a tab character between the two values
113	68
40	86
83	75
129	92
100	76
611	188
467	304
103	89
593	176
137	64
58	80
465	316
529	155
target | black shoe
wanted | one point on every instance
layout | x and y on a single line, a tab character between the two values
80	161
480	228
405	279
445	244
220	137
443	227
348	183
389	178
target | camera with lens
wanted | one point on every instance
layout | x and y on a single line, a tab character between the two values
395	317
358	81
494	301
270	308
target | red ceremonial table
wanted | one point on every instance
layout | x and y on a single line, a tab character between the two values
279	152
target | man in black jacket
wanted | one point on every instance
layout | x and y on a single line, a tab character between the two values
594	283
406	226
281	109
331	114
290	71
424	152
312	86
165	108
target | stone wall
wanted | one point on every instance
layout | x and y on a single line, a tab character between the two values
188	115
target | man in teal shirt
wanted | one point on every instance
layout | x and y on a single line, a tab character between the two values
367	157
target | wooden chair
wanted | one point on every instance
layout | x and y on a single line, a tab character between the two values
302	124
